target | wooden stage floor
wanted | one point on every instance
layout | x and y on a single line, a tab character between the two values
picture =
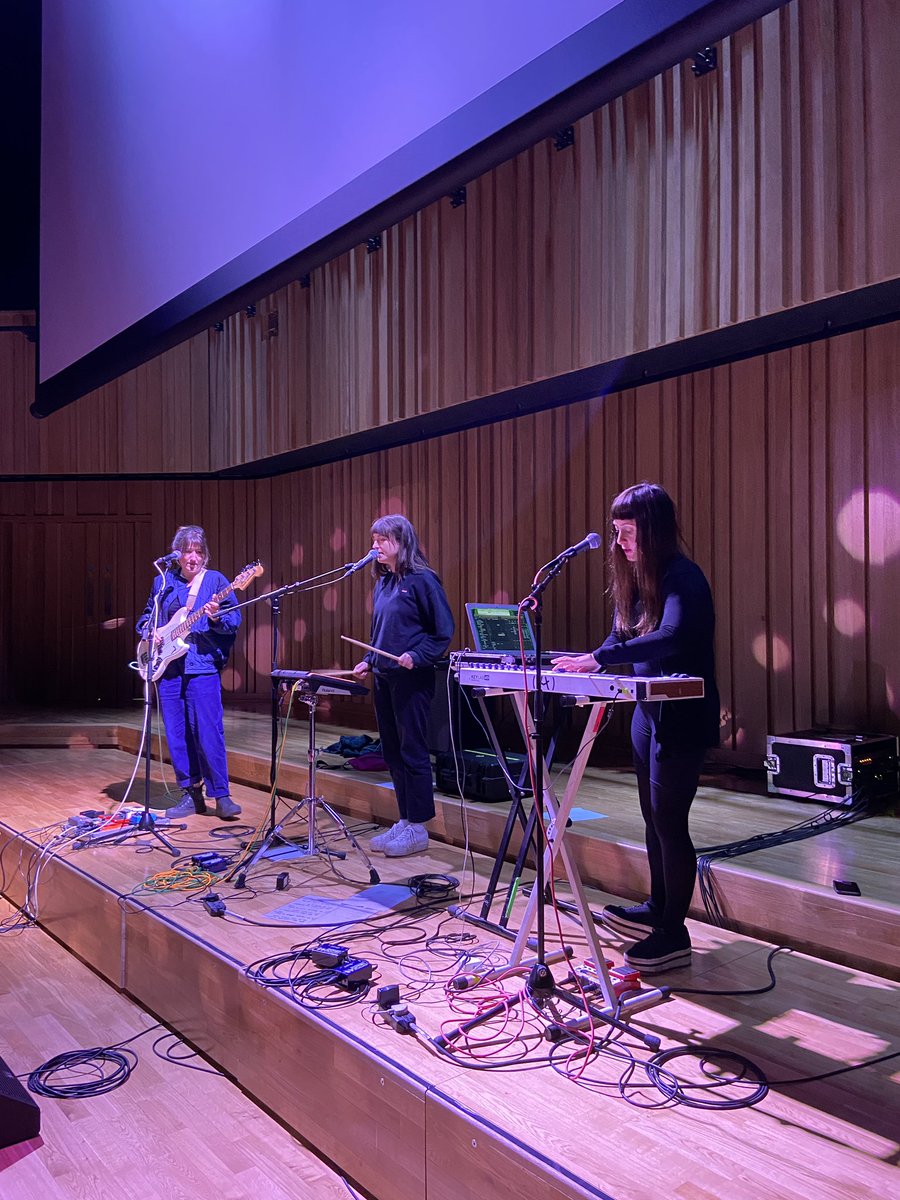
402	1119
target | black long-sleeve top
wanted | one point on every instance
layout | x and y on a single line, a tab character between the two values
410	615
682	644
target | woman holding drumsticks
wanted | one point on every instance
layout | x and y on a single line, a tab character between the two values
411	629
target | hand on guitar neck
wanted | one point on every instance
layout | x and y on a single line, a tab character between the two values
171	643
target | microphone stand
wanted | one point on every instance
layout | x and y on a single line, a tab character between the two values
147	821
540	979
275	597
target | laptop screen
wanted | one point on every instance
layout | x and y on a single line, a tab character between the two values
495	627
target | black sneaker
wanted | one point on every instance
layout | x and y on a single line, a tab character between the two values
226	809
661	951
632	921
190	804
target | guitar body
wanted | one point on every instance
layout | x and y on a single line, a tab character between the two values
172	646
172	636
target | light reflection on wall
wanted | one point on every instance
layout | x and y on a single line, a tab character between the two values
232	680
849	617
297	555
780	657
883	526
338	539
300	629
330	599
259	648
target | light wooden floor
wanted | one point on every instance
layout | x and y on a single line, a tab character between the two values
480	1133
167	1131
783	894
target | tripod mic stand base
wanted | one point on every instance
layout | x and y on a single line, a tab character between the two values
285	850
540	981
117	836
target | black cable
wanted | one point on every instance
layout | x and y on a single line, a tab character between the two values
822	822
870	1062
110	1069
745	1073
433	887
169	1055
743	991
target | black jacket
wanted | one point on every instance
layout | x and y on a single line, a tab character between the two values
682	644
410	614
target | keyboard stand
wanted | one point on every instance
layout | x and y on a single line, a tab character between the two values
557	851
517	812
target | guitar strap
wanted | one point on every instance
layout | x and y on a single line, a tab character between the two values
194	589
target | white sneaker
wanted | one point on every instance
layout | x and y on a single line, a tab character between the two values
411	840
381	839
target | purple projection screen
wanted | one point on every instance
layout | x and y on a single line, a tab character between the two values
190	148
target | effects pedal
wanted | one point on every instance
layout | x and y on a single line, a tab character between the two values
327	954
352	972
625	981
209	862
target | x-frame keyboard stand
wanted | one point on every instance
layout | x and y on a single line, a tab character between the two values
557	849
517	812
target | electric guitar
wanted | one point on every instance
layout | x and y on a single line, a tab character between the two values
170	639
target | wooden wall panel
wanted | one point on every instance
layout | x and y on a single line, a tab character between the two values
684	206
784	469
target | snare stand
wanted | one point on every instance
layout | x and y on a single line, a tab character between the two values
316	846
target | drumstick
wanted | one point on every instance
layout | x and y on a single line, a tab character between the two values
332	674
366	646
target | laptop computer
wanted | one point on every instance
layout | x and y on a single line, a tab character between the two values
496	629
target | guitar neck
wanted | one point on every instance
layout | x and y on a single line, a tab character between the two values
190	621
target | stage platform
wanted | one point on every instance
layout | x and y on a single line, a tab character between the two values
402	1119
784	894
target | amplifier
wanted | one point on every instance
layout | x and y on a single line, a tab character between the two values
834	767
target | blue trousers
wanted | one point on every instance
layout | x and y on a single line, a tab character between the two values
402	707
192	714
666	786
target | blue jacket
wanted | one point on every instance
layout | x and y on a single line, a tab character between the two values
209	642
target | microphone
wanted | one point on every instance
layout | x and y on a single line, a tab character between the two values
351	568
169	558
590	541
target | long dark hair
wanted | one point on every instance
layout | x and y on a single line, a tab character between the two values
409	554
658	540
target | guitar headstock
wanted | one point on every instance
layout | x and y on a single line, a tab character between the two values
249	573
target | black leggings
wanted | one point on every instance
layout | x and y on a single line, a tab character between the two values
667	787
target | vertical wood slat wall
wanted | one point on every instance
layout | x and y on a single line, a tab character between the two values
686	205
784	468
